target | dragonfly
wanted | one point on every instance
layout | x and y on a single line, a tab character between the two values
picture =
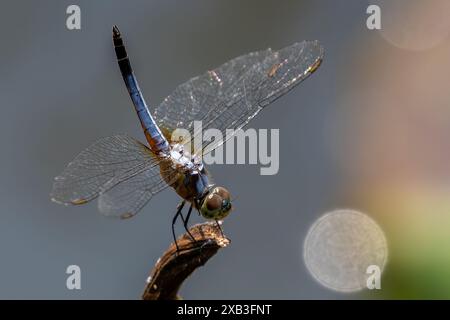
124	173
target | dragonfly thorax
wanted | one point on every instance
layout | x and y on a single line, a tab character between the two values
184	158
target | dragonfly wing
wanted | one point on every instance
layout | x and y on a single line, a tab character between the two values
265	82
107	162
231	95
193	99
126	199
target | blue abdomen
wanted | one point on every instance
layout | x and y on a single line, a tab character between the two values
157	141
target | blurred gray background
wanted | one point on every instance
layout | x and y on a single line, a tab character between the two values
61	90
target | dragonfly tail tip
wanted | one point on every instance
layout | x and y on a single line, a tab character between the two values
116	32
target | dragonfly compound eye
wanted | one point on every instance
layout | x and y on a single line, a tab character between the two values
226	204
214	207
222	192
213	202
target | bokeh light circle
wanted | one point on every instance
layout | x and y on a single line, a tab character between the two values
415	25
340	246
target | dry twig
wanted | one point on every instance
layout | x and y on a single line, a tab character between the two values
173	268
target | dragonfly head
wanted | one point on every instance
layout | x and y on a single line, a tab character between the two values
216	204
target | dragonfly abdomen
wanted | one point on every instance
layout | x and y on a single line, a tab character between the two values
152	132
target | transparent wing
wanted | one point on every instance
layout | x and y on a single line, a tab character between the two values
126	199
192	100
231	95
107	162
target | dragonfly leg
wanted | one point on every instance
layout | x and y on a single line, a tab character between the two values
220	228
174	220
197	204
185	223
